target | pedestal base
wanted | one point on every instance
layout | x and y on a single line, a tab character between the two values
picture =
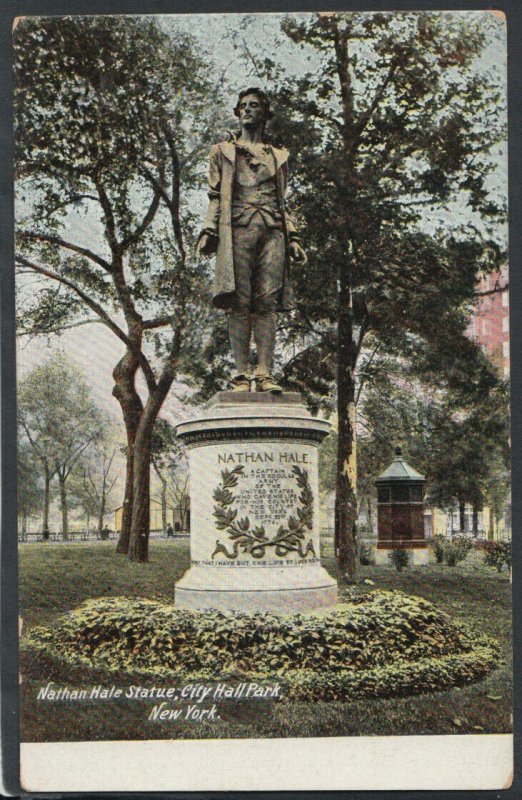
255	590
254	492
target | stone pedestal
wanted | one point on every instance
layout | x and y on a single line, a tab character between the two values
254	540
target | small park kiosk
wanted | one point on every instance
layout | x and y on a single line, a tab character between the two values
400	512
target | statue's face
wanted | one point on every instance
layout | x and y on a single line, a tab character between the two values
251	111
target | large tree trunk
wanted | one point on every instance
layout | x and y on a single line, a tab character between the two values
132	407
46	498
126	520
101	513
164	504
345	501
462	516
491	530
346	480
64	508
140	527
139	423
475	520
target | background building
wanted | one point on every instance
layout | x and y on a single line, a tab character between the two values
490	325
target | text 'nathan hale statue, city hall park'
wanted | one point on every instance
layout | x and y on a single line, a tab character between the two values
253	455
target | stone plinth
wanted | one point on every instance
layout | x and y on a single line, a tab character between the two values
254	539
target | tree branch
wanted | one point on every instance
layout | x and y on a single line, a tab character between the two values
110	224
343	72
146	221
362	332
92	304
64	327
173	203
367	115
158	322
75	455
42	237
372	431
71	201
496	290
361	382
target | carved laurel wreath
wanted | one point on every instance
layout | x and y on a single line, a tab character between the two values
254	540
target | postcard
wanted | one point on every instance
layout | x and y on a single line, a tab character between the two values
264	507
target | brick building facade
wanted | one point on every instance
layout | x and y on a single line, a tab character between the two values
490	325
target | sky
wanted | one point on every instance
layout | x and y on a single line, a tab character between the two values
217	36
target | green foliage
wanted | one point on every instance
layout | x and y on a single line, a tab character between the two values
457	549
469	449
384	643
395	680
366	554
29	490
457	439
92	571
438	548
394	148
399	559
496	554
56	414
451	551
112	119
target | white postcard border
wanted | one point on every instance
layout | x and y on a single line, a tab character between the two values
479	762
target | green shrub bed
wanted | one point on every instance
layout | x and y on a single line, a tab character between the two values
380	644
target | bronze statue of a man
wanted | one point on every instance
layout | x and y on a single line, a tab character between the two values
253	238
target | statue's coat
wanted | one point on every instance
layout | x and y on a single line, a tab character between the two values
219	220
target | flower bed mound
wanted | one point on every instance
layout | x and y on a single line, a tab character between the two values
385	643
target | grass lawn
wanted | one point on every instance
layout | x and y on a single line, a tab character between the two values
57	577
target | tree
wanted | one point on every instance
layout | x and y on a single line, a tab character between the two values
96	476
41	449
170	465
497	491
458	439
29	494
56	413
390	124
470	454
113	118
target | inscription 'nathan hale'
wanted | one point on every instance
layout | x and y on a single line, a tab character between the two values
264	458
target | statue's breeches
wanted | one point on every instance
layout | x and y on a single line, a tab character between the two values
259	262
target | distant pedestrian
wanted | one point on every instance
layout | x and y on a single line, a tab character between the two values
105	533
170	532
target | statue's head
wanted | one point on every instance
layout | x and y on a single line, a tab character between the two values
253	105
